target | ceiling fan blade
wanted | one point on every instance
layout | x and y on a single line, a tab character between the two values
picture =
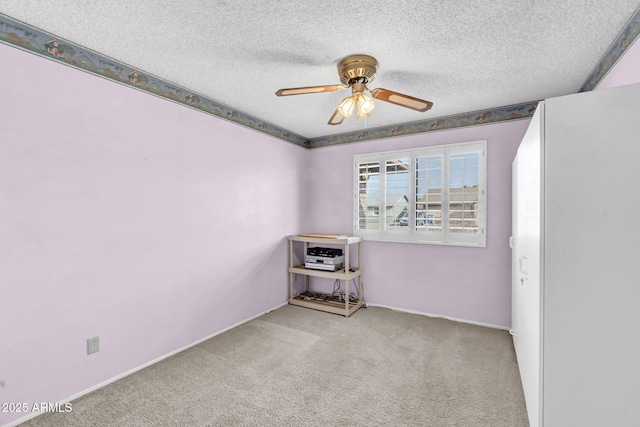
309	89
336	119
401	99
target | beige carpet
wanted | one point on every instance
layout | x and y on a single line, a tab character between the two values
300	367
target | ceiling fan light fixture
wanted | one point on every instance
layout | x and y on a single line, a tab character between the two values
356	71
361	114
364	105
346	106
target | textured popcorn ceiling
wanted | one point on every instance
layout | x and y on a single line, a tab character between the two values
462	55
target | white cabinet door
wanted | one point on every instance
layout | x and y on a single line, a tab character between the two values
526	264
516	296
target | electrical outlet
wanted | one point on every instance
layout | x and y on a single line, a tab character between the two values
93	345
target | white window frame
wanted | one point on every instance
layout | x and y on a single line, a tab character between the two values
410	234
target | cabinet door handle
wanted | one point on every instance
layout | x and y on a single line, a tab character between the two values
523	264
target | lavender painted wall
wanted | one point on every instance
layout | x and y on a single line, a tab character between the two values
131	218
626	71
473	284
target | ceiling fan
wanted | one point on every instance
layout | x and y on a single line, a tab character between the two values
355	72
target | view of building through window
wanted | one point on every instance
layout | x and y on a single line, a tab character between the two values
463	192
427	193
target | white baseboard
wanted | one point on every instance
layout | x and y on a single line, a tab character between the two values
470	322
131	371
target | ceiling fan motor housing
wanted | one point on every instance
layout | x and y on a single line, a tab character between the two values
357	68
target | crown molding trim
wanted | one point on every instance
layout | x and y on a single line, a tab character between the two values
481	117
28	38
627	37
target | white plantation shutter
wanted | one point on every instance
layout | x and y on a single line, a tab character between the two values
466	186
427	195
368	197
430	180
397	195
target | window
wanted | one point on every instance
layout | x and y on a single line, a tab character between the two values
427	195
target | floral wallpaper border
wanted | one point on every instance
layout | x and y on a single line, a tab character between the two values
626	38
28	38
514	112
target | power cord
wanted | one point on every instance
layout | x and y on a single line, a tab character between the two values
338	294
